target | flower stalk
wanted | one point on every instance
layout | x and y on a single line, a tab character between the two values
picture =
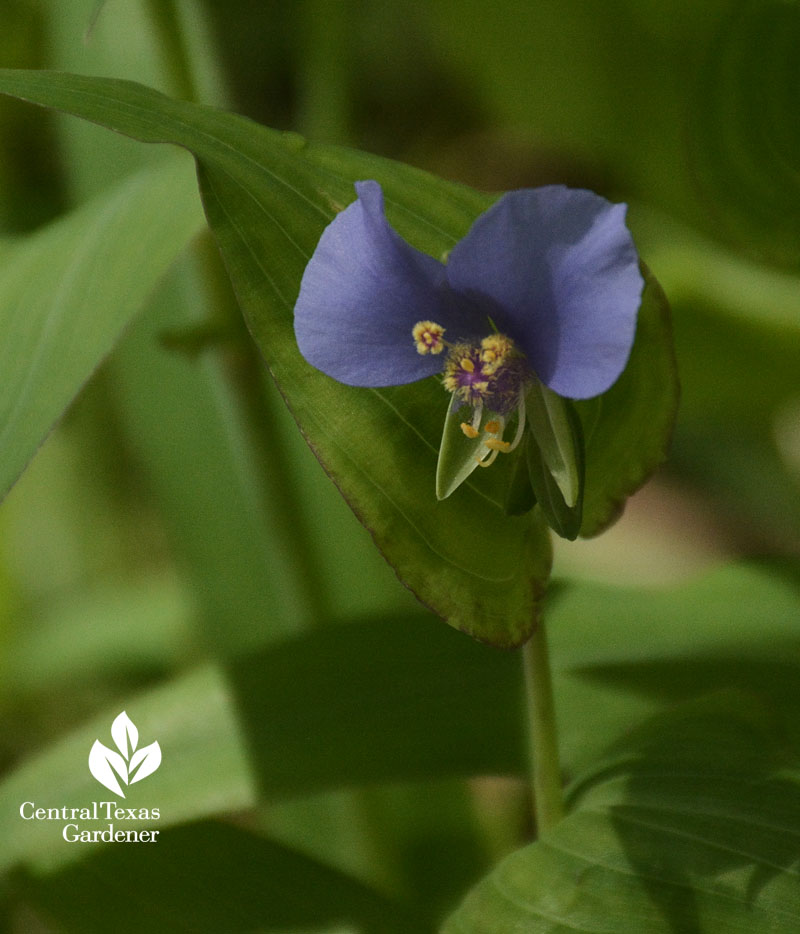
548	799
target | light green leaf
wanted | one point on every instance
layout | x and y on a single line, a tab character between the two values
620	654
419	701
553	430
204	770
689	828
68	290
460	455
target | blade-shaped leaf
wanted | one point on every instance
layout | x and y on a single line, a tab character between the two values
144	762
103	762
419	702
68	290
123	731
193	713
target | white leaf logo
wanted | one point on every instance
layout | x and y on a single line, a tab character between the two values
129	764
144	762
122	730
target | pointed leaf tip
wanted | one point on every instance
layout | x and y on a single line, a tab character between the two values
144	762
123	732
101	760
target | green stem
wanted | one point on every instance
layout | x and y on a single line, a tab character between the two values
324	66
176	62
548	802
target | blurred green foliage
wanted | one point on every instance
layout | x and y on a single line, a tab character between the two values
175	547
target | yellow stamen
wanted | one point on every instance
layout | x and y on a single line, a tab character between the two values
467	364
494	350
469	431
493	427
496	346
428	337
495	444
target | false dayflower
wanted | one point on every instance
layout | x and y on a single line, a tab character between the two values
543	291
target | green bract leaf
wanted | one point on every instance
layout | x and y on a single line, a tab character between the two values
627	429
268	198
68	290
688	828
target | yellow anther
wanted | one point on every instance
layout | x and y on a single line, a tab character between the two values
428	337
496	346
495	444
467	364
494	349
493	426
469	431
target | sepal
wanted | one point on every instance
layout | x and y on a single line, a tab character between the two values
556	461
459	455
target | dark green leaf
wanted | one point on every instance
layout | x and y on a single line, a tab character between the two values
628	428
520	496
391	699
744	130
207	877
690	828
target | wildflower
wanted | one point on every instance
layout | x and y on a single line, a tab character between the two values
543	291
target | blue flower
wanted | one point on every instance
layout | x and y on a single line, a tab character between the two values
544	287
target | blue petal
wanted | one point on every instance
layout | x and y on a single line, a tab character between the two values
558	271
363	291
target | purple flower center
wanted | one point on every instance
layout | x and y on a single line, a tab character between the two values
492	373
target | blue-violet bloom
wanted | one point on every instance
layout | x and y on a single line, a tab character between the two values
545	285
